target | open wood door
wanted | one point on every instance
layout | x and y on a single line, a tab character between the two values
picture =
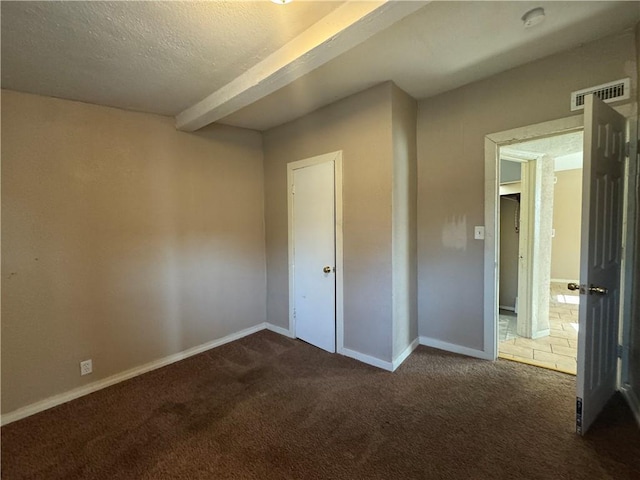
600	260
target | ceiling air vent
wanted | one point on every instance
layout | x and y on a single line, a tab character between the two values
608	92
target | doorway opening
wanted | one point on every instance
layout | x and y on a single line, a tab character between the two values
539	204
605	279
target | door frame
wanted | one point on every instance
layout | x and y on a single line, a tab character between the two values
336	158
526	251
628	258
492	144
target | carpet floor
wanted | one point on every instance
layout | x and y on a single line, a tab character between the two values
269	407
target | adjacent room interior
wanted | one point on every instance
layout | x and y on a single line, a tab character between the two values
161	317
551	246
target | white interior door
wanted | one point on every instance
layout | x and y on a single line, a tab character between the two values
600	259
314	253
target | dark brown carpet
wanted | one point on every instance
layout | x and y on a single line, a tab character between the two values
267	407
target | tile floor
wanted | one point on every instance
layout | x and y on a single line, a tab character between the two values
559	350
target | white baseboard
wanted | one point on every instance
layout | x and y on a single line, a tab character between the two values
451	347
65	397
633	401
542	334
280	330
504	307
368	359
404	355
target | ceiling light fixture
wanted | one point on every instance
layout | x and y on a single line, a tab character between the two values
533	17
281	2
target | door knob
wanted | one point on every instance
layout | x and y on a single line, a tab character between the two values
597	290
326	269
573	286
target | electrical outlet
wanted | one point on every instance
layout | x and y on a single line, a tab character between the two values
86	367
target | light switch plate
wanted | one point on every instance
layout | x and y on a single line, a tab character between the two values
478	232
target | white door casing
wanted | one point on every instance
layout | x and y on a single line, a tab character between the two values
600	259
525	245
534	267
314	254
493	143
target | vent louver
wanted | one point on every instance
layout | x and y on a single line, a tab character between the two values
608	92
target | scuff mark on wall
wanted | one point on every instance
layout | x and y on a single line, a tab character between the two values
454	233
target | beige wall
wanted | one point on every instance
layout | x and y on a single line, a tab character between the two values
360	126
124	241
567	215
451	131
509	242
405	306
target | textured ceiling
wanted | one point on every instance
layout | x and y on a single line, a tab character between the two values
162	57
443	46
555	146
158	57
566	149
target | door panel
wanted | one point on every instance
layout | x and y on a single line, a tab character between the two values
600	259
314	250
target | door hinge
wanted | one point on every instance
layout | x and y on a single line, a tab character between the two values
620	350
627	149
294	313
293	189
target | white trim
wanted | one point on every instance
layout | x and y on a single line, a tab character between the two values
491	254
368	359
65	397
339	255
517	156
376	362
404	355
528	240
541	334
279	330
336	158
633	401
630	245
493	142
504	307
341	30
565	280
450	347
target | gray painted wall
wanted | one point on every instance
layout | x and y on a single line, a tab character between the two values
451	131
509	243
376	130
360	126
405	302
510	171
